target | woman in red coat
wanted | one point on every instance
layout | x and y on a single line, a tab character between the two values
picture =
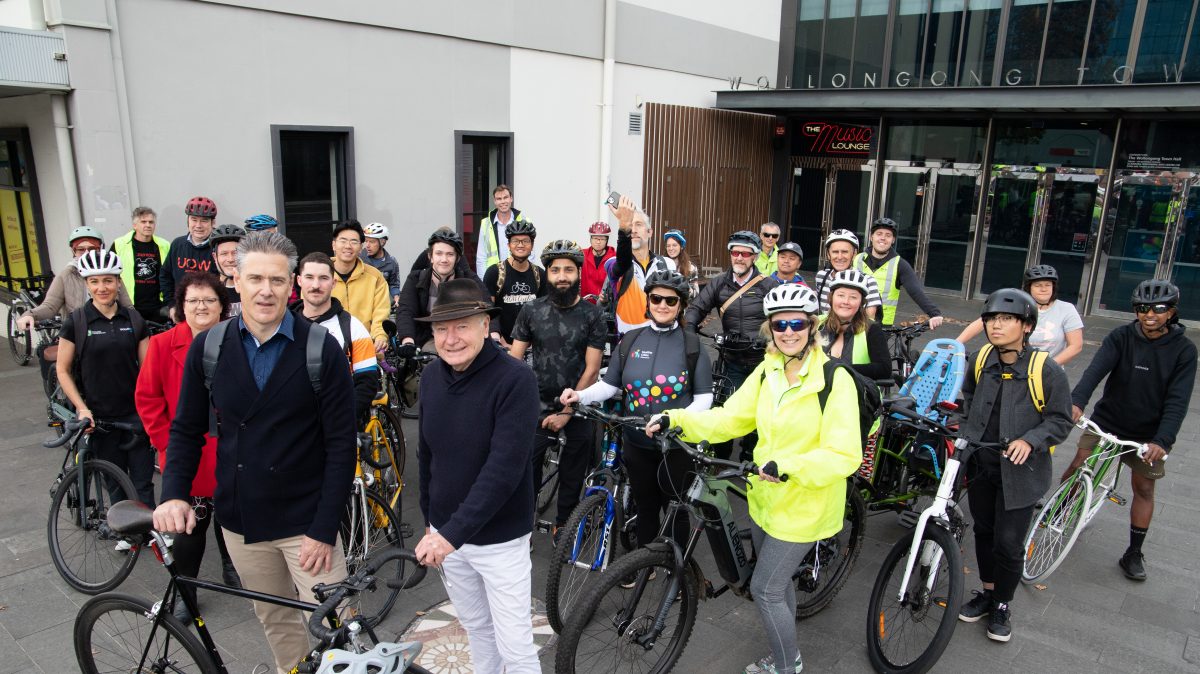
204	303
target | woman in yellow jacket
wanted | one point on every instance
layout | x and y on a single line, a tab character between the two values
817	449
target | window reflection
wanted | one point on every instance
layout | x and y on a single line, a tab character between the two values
806	69
1023	43
1108	44
839	41
941	47
868	44
1161	43
979	43
1064	41
1191	63
908	40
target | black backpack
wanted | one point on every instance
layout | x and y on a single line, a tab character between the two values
870	403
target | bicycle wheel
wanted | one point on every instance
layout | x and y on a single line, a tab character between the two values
368	526
83	548
548	490
825	569
390	443
407	393
20	342
603	631
1058	525
113	631
909	634
583	537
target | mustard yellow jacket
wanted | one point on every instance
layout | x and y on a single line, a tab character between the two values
365	296
817	451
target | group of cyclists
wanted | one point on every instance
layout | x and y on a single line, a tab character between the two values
646	310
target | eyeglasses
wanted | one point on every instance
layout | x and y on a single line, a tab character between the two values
767	235
79	250
350	242
206	301
1156	308
1000	319
660	299
740	253
796	324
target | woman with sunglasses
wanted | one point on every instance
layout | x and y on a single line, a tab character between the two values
653	369
68	291
1059	329
205	303
850	336
675	244
816	448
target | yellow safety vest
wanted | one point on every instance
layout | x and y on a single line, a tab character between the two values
123	247
488	241
886	277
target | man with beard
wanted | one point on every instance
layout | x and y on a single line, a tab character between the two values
567	336
421	289
633	263
515	280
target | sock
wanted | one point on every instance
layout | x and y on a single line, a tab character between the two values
1137	536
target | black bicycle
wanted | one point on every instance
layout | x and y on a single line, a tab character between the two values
402	374
903	356
730	343
123	633
26	293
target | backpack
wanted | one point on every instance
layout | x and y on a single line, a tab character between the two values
500	271
691	347
215	338
870	403
79	318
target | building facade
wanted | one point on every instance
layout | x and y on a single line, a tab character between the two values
998	134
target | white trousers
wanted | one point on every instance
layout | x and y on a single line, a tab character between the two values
490	586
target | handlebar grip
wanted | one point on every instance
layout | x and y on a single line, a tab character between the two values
69	430
772	469
326	608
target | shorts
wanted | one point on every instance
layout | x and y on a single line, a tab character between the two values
1089	440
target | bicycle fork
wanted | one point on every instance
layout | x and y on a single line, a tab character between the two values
930	554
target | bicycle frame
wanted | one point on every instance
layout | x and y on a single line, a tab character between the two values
937	511
1095	468
598	481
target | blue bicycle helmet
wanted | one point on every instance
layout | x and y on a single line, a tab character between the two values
257	223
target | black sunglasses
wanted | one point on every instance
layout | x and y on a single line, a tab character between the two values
1156	308
796	324
769	236
659	299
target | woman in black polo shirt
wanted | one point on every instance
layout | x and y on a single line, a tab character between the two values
99	375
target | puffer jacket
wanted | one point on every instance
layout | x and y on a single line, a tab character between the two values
365	296
816	450
744	317
68	292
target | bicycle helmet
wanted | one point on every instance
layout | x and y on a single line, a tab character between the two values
1040	272
447	236
884	223
745	238
677	235
841	235
672	280
376	230
848	278
599	228
222	233
791	247
85	232
1156	291
520	227
1011	301
201	207
791	297
384	657
562	248
98	263
257	223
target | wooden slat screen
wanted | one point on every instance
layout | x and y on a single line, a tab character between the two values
706	172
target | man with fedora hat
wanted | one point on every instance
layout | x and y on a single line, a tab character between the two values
477	479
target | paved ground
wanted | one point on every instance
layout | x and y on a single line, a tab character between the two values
1087	619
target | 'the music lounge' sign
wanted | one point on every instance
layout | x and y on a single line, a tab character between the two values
830	139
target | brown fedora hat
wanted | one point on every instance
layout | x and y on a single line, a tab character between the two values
459	298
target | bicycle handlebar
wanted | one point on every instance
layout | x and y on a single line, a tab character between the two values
49	324
594	412
362	580
908	331
733	468
1089	425
74	426
903	406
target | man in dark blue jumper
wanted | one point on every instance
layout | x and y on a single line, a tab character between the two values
479	409
285	452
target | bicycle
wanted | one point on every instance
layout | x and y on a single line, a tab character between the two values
385	451
1075	502
29	293
83	547
728	343
402	374
369	525
546	491
915	600
900	339
605	513
118	632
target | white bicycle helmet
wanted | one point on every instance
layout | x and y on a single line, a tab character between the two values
791	297
98	263
385	657
85	232
376	230
848	278
841	235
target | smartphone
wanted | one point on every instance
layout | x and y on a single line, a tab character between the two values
613	199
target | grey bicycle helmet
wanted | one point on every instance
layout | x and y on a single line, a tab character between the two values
848	278
447	236
520	227
562	248
1156	291
1011	301
85	232
671	280
392	658
745	238
791	247
222	233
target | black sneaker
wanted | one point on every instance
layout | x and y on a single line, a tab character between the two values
182	613
999	628
229	574
1133	564
978	608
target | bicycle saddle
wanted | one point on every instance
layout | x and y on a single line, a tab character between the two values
130	518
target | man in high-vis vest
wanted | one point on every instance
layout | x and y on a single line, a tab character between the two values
142	254
892	272
766	261
491	229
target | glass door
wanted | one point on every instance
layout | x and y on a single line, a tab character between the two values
1133	238
1070	212
951	225
1015	198
1185	268
904	201
851	199
808	213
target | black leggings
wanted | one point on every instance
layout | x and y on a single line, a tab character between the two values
654	480
189	548
999	533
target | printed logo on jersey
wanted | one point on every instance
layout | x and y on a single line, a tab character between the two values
641	354
662	388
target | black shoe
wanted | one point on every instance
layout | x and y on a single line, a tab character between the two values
229	574
999	628
1133	564
978	608
182	613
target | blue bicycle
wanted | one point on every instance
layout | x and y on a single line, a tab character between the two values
587	544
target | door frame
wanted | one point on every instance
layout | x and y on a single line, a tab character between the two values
831	167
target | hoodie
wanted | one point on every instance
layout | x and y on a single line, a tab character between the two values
360	353
183	257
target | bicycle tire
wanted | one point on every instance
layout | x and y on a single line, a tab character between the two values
20	342
362	535
583	531
627	516
840	552
1055	529
86	558
119	616
393	475
548	490
917	606
597	612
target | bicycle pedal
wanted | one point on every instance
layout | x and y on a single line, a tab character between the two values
1117	498
544	526
907	518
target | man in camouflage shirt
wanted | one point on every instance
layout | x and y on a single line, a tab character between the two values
567	337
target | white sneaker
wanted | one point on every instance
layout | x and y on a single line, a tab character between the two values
123	546
767	666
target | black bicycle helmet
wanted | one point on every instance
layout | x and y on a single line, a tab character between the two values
1156	291
519	227
745	238
562	248
222	233
884	223
1041	272
447	236
668	279
1011	301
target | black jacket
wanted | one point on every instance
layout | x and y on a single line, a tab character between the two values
414	303
182	257
744	317
1149	384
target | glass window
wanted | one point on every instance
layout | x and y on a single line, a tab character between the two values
868	44
941	49
1191	64
1064	41
1023	42
806	69
1108	43
839	38
1085	144
1161	43
979	43
313	171
918	141
908	41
